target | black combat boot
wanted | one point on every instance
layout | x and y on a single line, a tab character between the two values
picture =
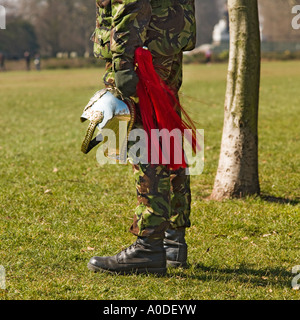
146	255
176	248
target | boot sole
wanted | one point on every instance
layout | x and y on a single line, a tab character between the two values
176	264
158	271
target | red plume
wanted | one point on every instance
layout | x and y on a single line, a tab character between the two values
158	105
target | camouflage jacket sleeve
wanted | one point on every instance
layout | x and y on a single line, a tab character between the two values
130	19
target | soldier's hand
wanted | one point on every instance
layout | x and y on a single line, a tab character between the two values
126	81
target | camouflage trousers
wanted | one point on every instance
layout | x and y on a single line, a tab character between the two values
164	196
164	200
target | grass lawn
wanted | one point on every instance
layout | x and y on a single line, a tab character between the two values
59	207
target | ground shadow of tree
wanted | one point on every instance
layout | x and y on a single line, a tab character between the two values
280	200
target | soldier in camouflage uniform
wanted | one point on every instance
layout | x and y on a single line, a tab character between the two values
167	28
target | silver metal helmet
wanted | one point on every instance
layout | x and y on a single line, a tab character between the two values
105	110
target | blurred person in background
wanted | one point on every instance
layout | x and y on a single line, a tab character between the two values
2	61
27	58
37	61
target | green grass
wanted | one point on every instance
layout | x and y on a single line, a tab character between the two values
58	207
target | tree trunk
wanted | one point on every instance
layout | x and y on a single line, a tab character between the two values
237	173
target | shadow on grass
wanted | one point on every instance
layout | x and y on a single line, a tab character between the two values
280	200
277	276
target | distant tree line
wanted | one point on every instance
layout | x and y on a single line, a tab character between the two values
47	27
53	26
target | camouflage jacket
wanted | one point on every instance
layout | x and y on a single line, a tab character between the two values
166	27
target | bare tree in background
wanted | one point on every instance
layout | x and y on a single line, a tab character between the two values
61	26
237	173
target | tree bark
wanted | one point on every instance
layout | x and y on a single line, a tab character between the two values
237	173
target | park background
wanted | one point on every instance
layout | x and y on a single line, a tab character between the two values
58	207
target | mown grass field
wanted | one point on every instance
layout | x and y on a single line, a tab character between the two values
59	207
